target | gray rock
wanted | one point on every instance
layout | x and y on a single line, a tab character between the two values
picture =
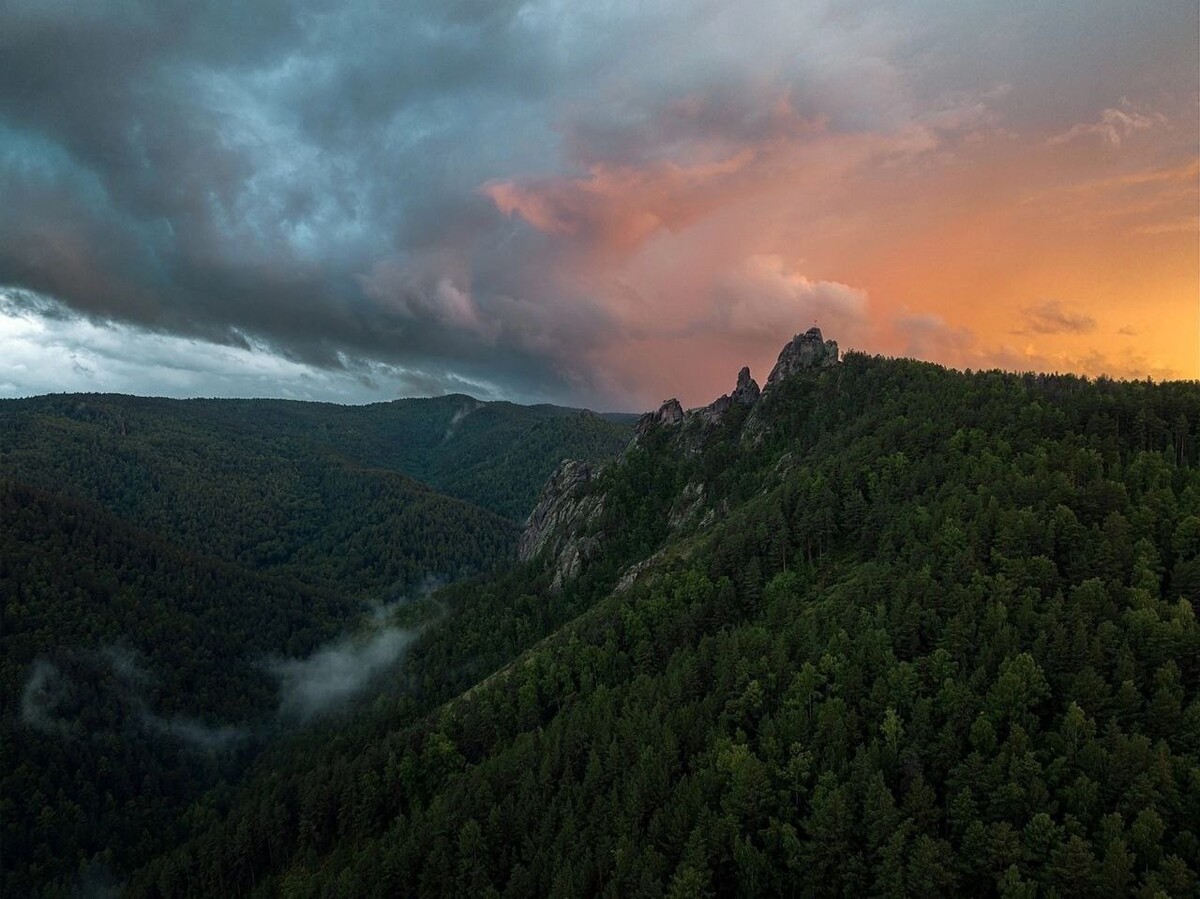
715	411
559	525
805	352
669	413
564	526
686	505
746	393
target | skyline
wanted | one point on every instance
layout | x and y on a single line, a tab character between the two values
599	206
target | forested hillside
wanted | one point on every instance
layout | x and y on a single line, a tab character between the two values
168	569
493	455
129	670
890	630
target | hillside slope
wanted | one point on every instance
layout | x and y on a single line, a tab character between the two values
888	629
492	455
163	562
131	678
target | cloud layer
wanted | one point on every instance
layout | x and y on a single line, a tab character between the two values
595	203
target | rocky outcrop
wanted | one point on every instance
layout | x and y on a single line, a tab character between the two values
564	527
686	506
805	352
746	393
669	413
715	411
560	524
631	574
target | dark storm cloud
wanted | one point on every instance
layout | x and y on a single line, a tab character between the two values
219	170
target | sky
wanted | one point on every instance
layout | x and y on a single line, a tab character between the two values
602	204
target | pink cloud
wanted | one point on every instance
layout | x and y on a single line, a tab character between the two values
1114	126
764	298
930	337
437	290
618	206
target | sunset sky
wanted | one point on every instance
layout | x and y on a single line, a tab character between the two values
602	203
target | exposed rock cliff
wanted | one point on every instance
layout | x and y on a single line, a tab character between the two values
805	352
561	522
746	393
669	413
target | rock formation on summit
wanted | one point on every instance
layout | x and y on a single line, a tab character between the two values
669	413
744	394
804	353
565	526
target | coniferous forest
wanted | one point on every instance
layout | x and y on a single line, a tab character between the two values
889	630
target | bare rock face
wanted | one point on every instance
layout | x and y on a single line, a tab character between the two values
746	393
715	411
686	507
805	352
669	413
560	522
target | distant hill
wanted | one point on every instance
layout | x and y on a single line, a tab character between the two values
494	455
269	500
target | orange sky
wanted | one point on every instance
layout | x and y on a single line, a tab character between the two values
957	241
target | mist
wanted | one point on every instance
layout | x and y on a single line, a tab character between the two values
45	690
196	733
465	410
51	702
337	671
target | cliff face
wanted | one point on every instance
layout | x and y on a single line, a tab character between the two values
559	524
564	525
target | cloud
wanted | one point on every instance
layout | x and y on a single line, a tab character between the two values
433	195
930	337
45	690
337	672
1114	127
195	733
618	207
47	348
306	179
764	298
462	412
52	703
1052	317
438	293
925	335
1149	200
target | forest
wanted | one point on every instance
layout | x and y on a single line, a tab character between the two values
895	630
168	570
